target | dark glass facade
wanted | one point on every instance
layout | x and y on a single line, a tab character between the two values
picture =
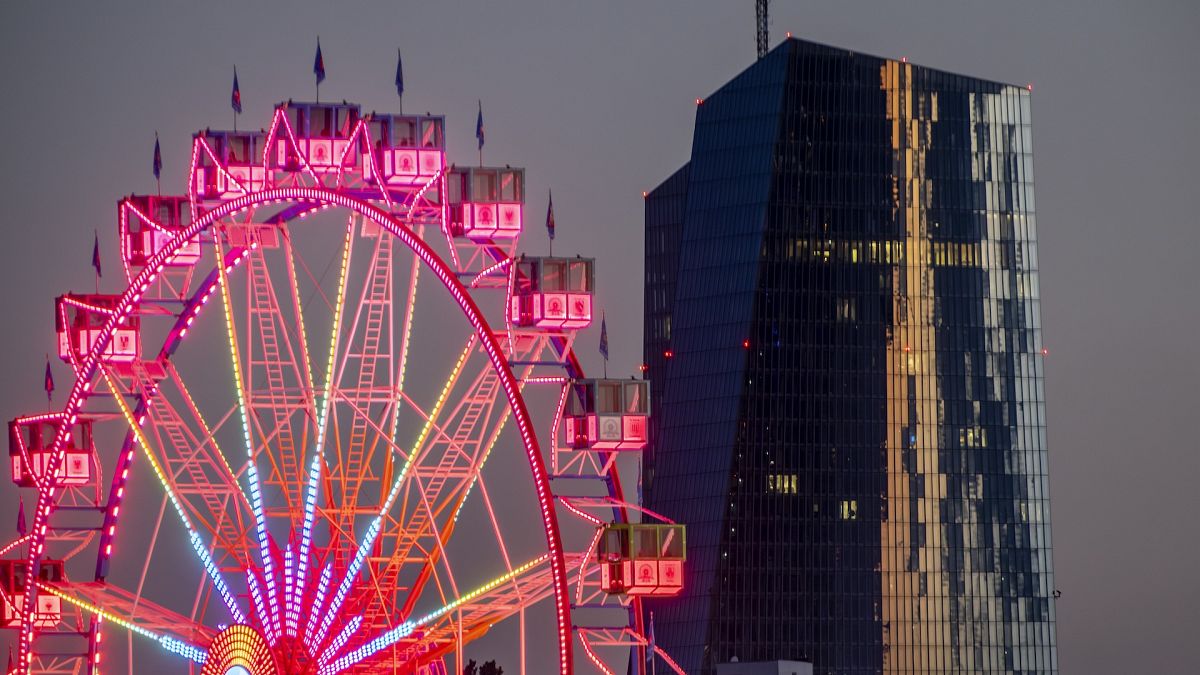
843	336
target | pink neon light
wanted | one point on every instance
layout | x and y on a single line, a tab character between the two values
489	271
126	307
587	649
586	516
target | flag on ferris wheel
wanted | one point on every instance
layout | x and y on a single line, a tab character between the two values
604	337
479	125
399	74
22	528
48	381
550	217
157	158
319	64
235	98
96	255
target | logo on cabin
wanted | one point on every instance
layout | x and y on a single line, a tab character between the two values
485	216
645	573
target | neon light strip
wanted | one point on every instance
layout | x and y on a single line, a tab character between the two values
433	414
264	547
375	170
317	603
340	641
4	551
405	629
221	165
127	205
339	597
444	274
587	649
558	413
314	470
287	126
197	544
657	650
71	300
489	271
173	645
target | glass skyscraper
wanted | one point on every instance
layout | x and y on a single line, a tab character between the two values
844	343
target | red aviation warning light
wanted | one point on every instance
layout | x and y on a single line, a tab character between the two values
606	414
486	203
553	293
642	558
30	440
408	149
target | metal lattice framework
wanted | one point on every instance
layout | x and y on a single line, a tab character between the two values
321	487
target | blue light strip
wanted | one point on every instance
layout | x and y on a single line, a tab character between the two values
217	579
340	641
315	609
271	626
343	590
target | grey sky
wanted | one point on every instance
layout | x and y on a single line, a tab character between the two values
599	97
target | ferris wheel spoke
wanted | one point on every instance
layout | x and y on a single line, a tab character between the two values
173	631
364	378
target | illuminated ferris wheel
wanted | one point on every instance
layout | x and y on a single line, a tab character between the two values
334	423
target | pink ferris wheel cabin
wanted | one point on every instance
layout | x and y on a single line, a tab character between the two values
323	135
234	165
14	581
79	321
606	414
147	223
486	203
408	149
31	443
553	292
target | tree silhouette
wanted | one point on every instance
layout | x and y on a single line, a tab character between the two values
470	668
490	668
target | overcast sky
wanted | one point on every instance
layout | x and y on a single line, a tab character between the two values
596	99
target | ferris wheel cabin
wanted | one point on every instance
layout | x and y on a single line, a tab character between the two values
553	293
408	149
323	132
240	153
642	558
486	203
606	414
14	580
30	440
79	321
149	222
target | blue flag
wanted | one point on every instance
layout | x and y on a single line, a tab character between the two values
399	74
604	337
319	64
49	381
550	217
157	158
479	126
95	263
650	652
21	530
235	99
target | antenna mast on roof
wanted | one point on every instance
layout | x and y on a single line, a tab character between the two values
761	9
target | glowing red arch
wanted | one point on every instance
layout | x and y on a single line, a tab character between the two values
321	196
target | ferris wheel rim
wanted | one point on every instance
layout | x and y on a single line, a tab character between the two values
87	369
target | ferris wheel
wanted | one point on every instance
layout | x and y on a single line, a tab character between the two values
357	411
